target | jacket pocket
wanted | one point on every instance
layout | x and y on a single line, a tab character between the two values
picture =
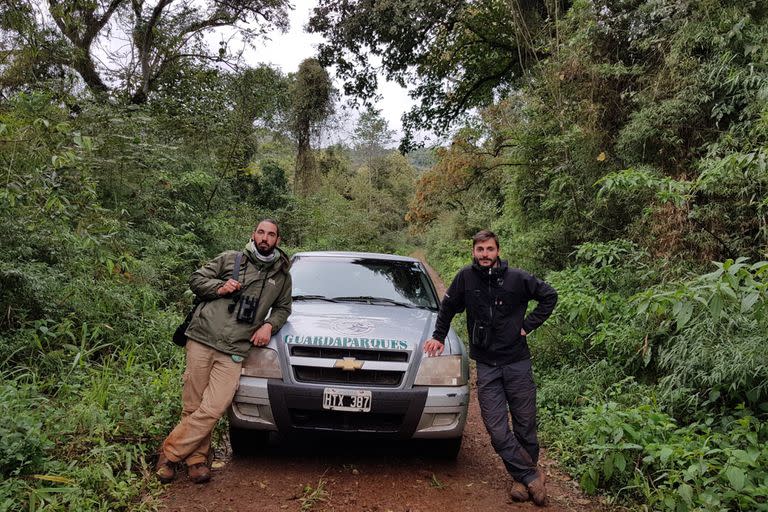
506	303
481	334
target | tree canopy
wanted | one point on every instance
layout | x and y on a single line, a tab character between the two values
456	54
125	47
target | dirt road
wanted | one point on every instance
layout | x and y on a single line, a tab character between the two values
384	477
345	476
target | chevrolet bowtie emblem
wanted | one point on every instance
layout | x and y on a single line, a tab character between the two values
348	364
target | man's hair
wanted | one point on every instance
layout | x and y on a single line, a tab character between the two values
483	236
277	226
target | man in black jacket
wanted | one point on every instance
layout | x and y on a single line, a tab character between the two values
496	299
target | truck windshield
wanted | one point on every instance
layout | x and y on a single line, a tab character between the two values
366	280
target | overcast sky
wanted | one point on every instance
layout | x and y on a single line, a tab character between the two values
286	51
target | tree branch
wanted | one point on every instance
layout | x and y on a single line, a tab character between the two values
460	106
93	29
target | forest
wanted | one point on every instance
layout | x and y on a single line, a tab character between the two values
619	148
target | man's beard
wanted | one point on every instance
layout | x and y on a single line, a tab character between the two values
492	261
263	252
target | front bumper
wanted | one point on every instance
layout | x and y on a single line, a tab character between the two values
421	412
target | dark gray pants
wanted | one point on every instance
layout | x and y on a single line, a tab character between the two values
502	390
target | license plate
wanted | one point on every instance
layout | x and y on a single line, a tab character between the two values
354	400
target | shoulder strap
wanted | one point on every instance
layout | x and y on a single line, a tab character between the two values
236	268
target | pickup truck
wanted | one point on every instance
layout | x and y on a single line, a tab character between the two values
350	359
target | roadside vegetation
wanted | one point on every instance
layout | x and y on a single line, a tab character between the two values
618	148
629	169
103	217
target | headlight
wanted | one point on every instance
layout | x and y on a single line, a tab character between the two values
262	362
440	371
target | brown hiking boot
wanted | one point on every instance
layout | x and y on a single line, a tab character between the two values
538	490
199	473
519	492
165	470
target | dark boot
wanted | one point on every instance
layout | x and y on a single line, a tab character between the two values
519	492
165	470
199	473
538	490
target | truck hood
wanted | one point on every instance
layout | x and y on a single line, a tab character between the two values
357	326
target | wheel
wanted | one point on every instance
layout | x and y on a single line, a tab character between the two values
246	442
447	449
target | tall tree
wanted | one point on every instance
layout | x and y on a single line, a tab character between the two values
372	135
143	40
312	97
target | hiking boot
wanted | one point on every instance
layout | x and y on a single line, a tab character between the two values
537	489
519	492
199	473
165	470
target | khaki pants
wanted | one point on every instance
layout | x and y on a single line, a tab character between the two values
210	382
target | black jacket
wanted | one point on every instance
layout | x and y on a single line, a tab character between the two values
496	300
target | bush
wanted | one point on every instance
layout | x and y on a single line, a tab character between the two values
707	337
23	442
640	452
595	318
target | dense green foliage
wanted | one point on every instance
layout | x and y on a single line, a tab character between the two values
659	395
628	159
103	217
619	154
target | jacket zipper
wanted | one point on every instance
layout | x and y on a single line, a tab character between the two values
490	296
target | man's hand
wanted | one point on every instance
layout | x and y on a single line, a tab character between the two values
230	286
433	347
261	337
523	333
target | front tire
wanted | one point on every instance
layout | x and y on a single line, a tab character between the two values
245	442
446	449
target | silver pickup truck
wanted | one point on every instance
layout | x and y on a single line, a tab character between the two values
350	359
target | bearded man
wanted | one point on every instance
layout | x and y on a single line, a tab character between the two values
240	309
496	298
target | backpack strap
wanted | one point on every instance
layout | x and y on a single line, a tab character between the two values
236	268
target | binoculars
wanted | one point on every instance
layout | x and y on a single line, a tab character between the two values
246	309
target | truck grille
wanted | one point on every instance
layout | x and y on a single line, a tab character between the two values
364	377
340	353
339	376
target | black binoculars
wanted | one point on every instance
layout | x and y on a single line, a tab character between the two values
481	334
246	309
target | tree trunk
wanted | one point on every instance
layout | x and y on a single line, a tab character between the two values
305	178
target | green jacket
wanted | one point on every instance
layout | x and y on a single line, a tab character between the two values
213	324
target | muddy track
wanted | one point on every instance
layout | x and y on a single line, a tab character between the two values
340	475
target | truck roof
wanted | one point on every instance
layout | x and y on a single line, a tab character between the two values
353	254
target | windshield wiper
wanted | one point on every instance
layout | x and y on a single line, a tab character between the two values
370	300
314	297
